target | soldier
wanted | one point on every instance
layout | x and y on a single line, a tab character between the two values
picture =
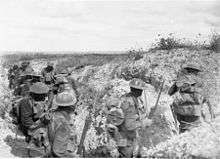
48	74
125	120
189	104
59	84
48	78
64	76
188	72
12	75
61	132
31	108
24	66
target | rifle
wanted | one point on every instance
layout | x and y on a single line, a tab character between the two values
153	110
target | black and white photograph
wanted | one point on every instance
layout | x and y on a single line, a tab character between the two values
110	79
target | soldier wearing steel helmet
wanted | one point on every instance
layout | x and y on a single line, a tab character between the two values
59	84
31	108
125	120
65	81
61	130
189	106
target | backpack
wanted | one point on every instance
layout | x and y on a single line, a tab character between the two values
61	130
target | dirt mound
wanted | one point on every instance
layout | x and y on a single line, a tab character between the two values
201	142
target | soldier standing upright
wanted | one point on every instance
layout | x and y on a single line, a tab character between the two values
125	120
48	78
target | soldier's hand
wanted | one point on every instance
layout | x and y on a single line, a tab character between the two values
146	122
114	153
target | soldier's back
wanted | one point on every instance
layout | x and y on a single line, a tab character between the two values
60	135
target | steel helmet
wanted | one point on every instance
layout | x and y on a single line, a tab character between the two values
39	88
192	66
138	84
65	99
64	71
115	116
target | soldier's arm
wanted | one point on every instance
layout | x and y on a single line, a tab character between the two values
26	114
131	118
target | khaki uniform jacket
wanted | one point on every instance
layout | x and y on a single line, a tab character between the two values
131	109
63	142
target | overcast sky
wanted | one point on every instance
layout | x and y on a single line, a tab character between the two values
67	25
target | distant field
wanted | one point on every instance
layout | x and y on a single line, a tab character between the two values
66	59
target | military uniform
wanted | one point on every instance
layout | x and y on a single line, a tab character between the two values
48	74
189	103
12	76
30	111
25	67
130	117
132	122
65	82
49	79
188	109
61	130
